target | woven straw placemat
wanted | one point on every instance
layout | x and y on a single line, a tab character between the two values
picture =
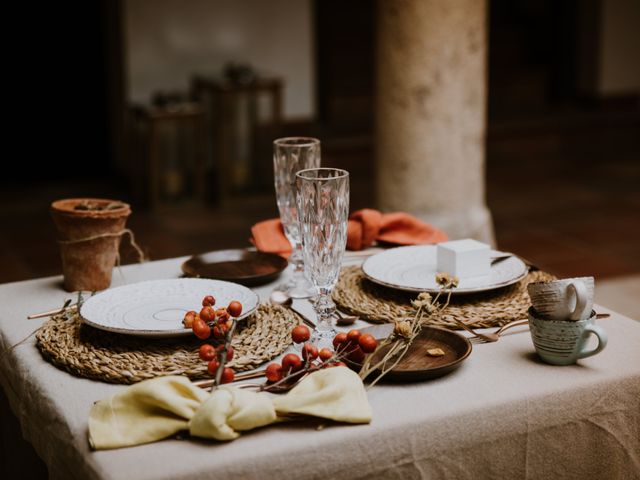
110	357
356	295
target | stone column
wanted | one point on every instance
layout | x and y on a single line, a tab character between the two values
431	101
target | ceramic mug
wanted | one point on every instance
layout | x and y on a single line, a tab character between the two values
567	299
563	342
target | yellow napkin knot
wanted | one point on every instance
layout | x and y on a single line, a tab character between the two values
159	408
229	410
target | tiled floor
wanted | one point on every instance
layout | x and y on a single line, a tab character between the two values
566	197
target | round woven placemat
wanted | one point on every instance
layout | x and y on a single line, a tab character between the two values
356	295
110	357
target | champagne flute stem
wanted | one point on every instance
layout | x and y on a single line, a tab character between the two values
325	309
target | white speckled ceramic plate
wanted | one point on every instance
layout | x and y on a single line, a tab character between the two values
414	269
156	308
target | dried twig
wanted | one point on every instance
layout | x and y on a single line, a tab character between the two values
406	331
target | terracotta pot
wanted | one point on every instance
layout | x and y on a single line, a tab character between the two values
88	264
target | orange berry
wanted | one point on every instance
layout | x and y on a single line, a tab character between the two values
220	349
339	339
291	362
207	352
227	375
273	372
353	336
189	318
212	367
300	334
222	315
201	329
367	343
218	332
235	308
309	352
208	314
325	354
208	301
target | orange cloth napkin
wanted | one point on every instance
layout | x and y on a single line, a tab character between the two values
365	227
268	236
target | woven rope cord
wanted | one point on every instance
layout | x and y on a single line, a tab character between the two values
110	357
356	295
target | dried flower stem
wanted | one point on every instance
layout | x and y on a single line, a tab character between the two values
384	371
405	331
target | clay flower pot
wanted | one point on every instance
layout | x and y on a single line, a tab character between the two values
87	261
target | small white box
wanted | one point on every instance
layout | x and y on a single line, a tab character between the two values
464	258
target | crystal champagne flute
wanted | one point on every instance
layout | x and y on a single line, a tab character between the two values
323	210
290	155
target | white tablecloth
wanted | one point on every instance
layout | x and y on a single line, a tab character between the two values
503	414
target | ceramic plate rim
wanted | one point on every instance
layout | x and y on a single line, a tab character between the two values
161	333
455	291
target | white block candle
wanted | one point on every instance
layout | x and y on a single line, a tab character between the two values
464	258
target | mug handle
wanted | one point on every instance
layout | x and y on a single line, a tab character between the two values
581	293
602	341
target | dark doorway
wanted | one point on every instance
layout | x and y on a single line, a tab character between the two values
345	37
59	92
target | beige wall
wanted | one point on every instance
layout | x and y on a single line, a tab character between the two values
619	69
168	40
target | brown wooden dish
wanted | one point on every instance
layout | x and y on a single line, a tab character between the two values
417	364
241	266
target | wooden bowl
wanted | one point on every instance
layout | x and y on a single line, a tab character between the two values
246	267
417	365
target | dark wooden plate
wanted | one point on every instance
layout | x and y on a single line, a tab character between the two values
417	364
241	266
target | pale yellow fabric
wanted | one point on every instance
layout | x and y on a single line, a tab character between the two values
145	412
331	393
229	410
158	408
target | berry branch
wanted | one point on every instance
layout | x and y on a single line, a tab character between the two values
221	324
353	346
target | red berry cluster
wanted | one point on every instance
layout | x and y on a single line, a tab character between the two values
219	324
352	345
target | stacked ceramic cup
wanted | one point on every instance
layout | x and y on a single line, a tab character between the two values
561	320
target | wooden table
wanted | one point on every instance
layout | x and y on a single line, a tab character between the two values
503	414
